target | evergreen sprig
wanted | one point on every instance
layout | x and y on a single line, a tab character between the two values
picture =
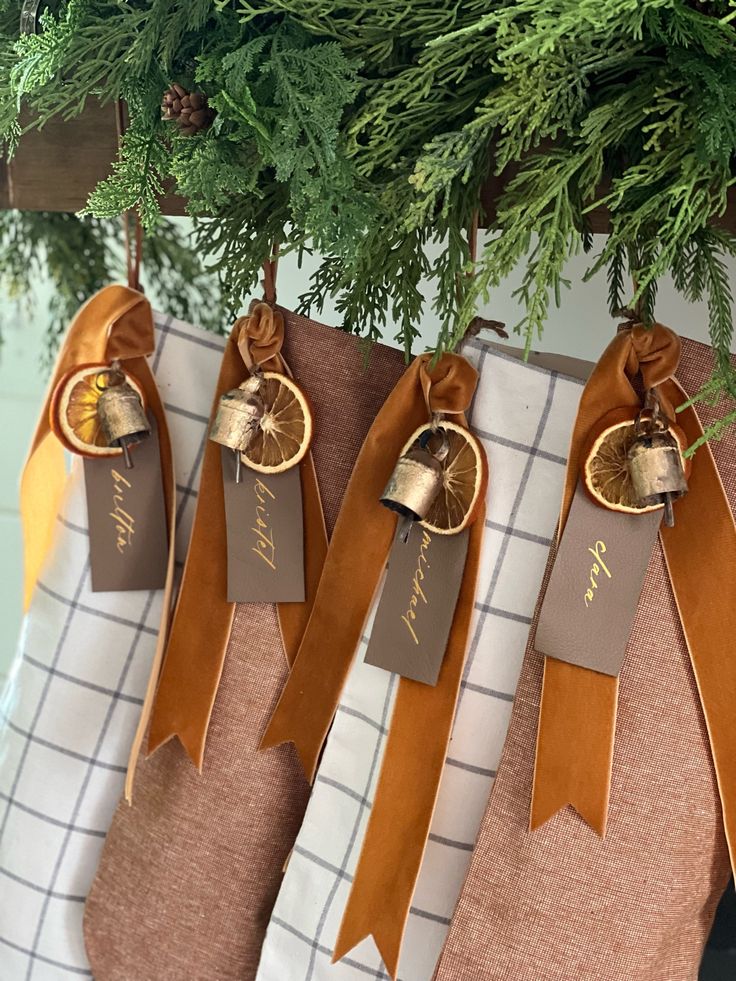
366	131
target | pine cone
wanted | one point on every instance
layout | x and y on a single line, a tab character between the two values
188	109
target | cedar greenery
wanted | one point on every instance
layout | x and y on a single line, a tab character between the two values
366	131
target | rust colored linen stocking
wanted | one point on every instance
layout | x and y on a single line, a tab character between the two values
561	902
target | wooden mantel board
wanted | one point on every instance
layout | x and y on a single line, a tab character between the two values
56	167
599	217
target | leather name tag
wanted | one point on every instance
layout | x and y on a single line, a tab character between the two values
417	604
265	535
128	541
595	585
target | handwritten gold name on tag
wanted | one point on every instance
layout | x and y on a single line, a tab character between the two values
599	567
265	535
417	592
417	604
593	591
128	540
264	547
124	521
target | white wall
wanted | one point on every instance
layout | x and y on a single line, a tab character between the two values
581	327
22	384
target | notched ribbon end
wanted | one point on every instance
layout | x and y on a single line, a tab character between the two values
595	816
348	940
308	758
194	748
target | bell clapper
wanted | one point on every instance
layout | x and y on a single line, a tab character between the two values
238	467
126	454
669	514
403	528
655	460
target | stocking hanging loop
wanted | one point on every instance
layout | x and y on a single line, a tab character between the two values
134	249
270	269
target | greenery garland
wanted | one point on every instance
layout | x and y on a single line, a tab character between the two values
366	131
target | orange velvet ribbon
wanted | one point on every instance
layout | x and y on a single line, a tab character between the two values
115	323
578	710
201	626
415	752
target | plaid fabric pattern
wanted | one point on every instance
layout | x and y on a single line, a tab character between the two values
74	695
524	416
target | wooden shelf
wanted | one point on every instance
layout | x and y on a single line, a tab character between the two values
55	168
599	218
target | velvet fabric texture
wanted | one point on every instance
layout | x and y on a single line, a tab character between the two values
407	790
357	556
523	415
573	771
561	902
197	645
73	696
190	872
570	770
114	324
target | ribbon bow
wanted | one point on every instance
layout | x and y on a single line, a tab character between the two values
416	748
203	618
260	337
578	709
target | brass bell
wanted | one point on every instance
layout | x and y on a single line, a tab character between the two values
414	485
236	421
121	414
655	467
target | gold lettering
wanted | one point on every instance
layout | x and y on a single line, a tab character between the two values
409	618
409	626
264	545
124	521
598	567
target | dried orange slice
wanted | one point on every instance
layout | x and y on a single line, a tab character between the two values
605	469
464	477
285	429
73	412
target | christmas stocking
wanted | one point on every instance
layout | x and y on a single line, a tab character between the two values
523	415
561	902
77	685
189	873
